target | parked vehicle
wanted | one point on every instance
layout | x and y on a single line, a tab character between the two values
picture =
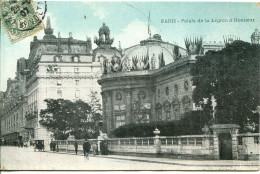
39	145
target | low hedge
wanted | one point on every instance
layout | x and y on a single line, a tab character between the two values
190	124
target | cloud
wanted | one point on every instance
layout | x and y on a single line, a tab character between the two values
133	33
99	10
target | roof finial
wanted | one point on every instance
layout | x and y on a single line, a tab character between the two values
48	30
149	29
48	24
119	46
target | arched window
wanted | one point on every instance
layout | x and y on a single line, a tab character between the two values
167	90
176	90
186	103
167	109
58	58
75	59
186	85
176	109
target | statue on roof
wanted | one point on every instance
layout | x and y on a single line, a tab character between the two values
255	37
104	36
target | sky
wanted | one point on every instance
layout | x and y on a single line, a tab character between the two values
128	23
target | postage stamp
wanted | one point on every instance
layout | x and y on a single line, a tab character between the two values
20	19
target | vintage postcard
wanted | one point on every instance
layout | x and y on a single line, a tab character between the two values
125	85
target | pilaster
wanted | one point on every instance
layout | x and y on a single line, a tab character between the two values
128	106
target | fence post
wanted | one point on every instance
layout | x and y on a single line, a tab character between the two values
67	146
157	142
234	144
216	146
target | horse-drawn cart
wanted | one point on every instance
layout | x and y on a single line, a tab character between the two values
39	145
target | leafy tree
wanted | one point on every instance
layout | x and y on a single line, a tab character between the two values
231	75
96	109
64	117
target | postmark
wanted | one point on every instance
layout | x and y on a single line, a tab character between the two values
20	19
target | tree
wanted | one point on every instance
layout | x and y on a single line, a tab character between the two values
95	108
231	75
64	117
56	117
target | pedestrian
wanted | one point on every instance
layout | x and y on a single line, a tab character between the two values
54	146
94	148
51	146
86	148
76	145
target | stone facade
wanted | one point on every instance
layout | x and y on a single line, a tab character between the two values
151	82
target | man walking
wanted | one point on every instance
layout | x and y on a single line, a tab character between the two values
86	148
76	146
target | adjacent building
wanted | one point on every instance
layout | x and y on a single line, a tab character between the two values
56	68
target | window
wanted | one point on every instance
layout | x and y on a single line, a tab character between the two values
59	82
176	90
56	69
167	91
256	140
77	93
77	82
76	70
186	85
120	120
76	59
59	93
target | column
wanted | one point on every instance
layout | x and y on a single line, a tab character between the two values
234	144
104	112
153	103
206	144
128	106
215	146
109	109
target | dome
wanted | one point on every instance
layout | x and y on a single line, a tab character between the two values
155	50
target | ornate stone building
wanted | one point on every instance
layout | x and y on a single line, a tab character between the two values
150	82
56	68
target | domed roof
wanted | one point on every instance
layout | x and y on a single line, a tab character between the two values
155	49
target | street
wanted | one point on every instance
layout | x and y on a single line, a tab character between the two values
14	158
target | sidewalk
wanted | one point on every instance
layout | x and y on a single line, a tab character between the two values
179	162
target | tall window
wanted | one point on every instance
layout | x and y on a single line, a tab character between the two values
77	93
176	90
120	120
77	82
176	108
186	102
59	82
167	109
59	93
